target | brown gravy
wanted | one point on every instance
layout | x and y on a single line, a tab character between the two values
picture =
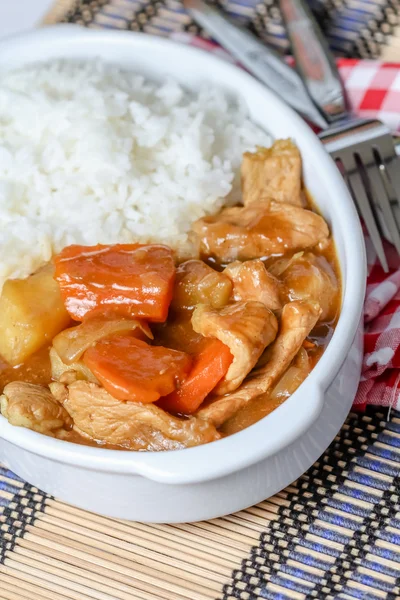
178	334
34	370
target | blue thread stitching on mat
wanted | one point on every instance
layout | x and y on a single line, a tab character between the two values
360	594
357	529
7	473
352	29
348	507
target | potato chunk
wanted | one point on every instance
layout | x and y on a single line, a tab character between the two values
31	314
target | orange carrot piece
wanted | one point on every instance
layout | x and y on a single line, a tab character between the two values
130	369
210	365
133	280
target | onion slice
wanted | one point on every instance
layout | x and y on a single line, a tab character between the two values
292	378
280	266
71	343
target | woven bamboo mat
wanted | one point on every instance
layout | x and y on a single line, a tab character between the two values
334	534
354	28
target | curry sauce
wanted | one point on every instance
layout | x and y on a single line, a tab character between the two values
164	353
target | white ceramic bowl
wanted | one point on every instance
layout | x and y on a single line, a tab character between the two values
241	470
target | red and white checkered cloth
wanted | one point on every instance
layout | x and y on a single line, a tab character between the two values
380	380
373	90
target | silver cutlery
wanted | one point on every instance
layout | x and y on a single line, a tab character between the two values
367	157
314	60
363	149
263	62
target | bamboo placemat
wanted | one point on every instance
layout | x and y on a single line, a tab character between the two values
354	28
334	534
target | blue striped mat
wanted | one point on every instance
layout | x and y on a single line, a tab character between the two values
354	28
333	534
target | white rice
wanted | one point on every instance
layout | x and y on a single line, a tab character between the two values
91	154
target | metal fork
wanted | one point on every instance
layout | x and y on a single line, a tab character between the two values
363	149
366	155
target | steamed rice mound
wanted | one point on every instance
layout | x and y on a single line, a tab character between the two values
91	154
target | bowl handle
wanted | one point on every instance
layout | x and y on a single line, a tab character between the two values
184	469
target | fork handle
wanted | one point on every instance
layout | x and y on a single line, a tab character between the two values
314	60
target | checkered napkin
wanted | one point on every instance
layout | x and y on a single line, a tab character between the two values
373	90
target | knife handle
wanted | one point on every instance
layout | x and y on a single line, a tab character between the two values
314	60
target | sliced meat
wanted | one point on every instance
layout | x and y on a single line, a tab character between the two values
252	281
272	173
311	277
298	319
247	328
130	425
197	283
264	404
34	407
259	230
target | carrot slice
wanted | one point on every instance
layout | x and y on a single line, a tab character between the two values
210	365
130	369
133	280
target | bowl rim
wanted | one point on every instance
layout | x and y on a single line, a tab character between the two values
251	445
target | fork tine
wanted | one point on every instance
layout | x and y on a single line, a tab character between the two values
390	160
392	167
375	184
379	196
361	200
